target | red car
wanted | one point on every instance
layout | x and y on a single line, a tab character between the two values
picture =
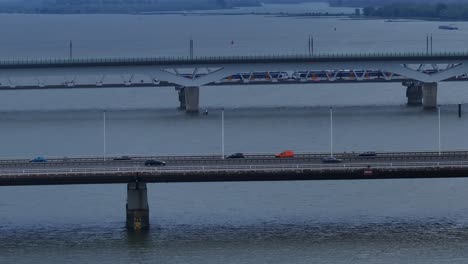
285	154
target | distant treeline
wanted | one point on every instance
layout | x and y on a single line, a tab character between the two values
437	11
380	3
117	6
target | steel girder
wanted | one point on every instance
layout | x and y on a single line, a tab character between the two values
219	71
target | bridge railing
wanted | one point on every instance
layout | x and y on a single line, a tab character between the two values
202	169
253	158
228	59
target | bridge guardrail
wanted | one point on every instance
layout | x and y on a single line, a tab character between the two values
201	169
253	159
252	156
249	158
226	59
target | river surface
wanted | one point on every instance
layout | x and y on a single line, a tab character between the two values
388	221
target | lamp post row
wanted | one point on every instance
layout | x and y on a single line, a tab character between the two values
223	133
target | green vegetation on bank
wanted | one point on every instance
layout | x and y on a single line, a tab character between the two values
448	10
380	3
117	6
441	11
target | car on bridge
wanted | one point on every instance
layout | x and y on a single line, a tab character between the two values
331	160
368	154
123	158
236	156
285	154
38	160
155	163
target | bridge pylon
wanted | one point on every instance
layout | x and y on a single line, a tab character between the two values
137	206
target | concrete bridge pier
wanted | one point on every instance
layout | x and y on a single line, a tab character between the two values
137	206
429	95
189	99
181	93
192	99
414	94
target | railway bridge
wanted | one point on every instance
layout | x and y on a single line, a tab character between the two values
419	72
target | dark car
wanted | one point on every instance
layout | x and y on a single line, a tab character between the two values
38	160
236	156
123	158
368	154
155	163
331	160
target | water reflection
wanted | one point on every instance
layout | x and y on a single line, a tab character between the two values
139	238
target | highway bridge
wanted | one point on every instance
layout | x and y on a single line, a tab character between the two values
307	166
209	168
419	72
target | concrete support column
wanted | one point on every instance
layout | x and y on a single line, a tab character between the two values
192	99
429	95
414	94
137	206
181	92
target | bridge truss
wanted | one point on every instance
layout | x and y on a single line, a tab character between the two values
249	70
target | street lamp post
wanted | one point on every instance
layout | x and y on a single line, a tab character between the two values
222	133
439	145
331	131
104	135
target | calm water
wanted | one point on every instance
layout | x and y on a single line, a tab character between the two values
419	221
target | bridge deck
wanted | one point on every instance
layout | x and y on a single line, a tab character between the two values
171	61
253	168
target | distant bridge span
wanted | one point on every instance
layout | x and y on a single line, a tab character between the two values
412	69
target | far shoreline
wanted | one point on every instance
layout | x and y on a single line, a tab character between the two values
271	14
